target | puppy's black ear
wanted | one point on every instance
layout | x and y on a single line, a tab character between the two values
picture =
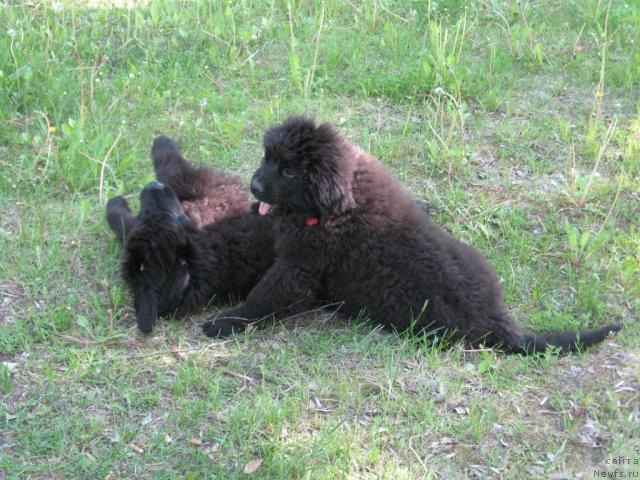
331	189
146	303
329	194
120	218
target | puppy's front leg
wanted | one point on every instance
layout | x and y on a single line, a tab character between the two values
284	290
120	218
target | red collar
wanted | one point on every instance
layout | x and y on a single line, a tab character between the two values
311	221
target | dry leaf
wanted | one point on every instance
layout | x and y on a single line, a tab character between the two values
253	465
461	410
196	442
180	354
139	450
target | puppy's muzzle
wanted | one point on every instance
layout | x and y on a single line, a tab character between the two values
155	186
257	186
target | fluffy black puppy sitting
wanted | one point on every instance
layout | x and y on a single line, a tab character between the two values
194	239
347	231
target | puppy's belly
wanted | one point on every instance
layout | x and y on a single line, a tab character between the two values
390	293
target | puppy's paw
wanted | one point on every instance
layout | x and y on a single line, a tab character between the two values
145	327
117	202
220	327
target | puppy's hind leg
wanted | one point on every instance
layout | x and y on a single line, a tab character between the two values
188	181
168	163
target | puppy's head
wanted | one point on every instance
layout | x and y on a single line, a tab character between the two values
157	253
303	170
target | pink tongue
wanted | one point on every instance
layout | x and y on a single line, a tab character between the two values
264	208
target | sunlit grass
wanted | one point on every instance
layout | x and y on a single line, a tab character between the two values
518	121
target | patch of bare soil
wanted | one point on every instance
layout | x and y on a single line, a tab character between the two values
590	386
10	221
12	294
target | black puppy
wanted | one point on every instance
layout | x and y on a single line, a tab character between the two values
347	231
174	263
205	194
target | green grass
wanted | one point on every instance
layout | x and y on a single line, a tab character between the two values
518	121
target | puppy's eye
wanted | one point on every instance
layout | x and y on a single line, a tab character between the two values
288	173
183	262
142	267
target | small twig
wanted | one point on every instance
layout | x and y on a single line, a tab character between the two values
290	317
85	342
116	100
575	45
104	163
46	145
15	122
596	109
613	204
354	7
97	162
110	315
231	373
213	35
251	56
13	167
95	71
605	143
508	35
15	61
82	89
393	14
338	425
307	87
413	450
216	83
485	211
167	352
122	46
318	309
444	144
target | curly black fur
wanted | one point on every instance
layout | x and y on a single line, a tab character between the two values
347	231
194	239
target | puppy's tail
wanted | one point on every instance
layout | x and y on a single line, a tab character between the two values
567	342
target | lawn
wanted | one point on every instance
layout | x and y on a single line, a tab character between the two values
519	121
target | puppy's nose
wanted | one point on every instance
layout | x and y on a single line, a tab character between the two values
155	186
257	187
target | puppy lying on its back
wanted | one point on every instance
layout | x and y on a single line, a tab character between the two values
194	239
347	231
205	194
